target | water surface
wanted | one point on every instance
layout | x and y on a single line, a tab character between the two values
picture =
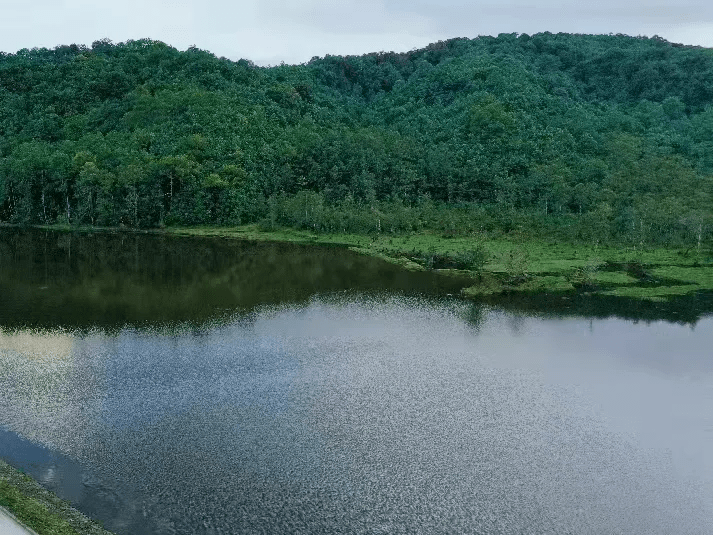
291	390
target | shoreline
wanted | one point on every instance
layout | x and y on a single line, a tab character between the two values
39	509
530	271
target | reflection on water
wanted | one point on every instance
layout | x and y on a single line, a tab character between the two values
36	345
111	280
367	412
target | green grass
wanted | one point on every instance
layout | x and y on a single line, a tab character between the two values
32	513
613	278
39	509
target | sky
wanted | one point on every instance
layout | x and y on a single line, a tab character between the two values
269	32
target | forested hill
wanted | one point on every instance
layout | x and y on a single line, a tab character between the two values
593	136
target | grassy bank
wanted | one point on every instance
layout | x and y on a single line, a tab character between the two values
40	509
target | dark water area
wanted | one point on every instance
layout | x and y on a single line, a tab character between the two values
682	309
51	279
179	386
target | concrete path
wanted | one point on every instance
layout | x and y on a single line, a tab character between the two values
10	526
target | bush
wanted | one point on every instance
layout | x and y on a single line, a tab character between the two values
473	259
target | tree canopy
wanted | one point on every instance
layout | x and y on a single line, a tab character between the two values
605	137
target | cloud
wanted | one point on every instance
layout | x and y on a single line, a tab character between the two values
700	34
293	30
292	46
83	21
368	17
271	31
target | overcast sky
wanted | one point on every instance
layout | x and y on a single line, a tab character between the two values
271	31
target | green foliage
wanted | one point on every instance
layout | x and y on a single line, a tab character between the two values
471	259
583	137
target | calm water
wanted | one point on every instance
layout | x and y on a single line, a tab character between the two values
200	386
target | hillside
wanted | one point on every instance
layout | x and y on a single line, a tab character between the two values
587	137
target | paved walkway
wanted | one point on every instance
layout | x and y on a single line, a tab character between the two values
10	526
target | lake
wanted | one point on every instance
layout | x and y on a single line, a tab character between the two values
175	385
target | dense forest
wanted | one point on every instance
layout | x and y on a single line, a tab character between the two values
585	137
